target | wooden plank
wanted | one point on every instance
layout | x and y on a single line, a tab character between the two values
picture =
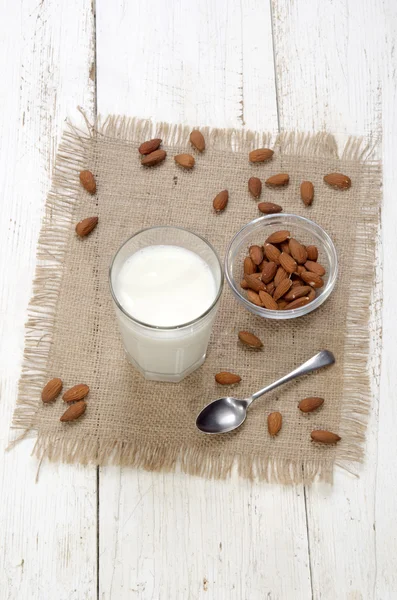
174	536
48	539
330	64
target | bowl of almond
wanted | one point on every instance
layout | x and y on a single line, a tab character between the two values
281	266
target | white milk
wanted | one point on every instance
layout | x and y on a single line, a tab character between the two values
165	286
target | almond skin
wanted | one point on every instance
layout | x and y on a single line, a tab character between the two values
77	392
280	275
315	267
325	437
267	301
149	146
256	254
74	411
254	283
186	161
298	303
312	253
278	236
282	288
311	295
338	181
270	288
274	422
285	247
288	263
226	378
272	253
51	390
300	269
249	266
220	201
87	180
307	192
298	251
244	284
309	404
269	208
278	180
154	158
254	297
254	186
197	140
260	155
263	264
297	291
86	226
312	279
249	339
269	271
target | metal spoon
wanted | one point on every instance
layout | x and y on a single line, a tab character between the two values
226	414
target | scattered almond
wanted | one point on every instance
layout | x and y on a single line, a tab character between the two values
249	339
51	390
298	251
267	301
256	254
278	180
278	237
226	378
312	252
221	200
269	208
149	146
249	265
87	180
254	186
269	271
325	437
197	140
312	279
254	283
287	262
272	253
282	288
274	422
186	161
314	267
338	180
154	158
309	404
260	155
307	192
86	226
254	297
77	392
74	411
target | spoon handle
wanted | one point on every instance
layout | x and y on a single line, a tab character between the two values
319	360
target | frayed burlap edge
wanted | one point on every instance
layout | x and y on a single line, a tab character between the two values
52	245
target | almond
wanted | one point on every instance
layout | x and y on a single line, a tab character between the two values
314	267
282	288
221	200
338	180
298	303
311	295
254	283
267	301
77	392
256	254
274	422
297	291
287	262
298	251
270	288
257	275
309	404
154	158
325	437
278	180
226	378
87	180
260	155
51	390
149	146
282	304
197	140
278	236
312	279
86	226
254	297
244	284
280	275
249	266
285	247
254	187
272	253
186	161
269	271
307	192
263	264
300	269
312	252
297	282
74	411
269	208
249	339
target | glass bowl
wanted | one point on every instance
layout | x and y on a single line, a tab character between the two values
256	232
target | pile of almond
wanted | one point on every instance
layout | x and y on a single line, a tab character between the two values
283	274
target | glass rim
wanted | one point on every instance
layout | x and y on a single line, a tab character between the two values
172	327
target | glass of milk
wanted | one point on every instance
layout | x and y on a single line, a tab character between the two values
166	283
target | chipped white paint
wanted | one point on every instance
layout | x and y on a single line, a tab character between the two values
172	536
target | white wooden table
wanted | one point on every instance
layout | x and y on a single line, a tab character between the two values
112	533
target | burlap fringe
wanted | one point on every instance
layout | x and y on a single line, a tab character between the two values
52	245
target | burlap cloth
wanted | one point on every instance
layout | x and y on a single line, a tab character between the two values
72	331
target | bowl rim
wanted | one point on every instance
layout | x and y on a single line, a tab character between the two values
295	312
